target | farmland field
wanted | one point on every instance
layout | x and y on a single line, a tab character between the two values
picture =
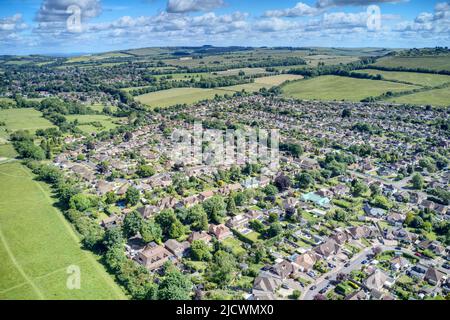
166	98
170	97
425	62
423	79
86	122
22	119
37	245
438	97
278	79
340	88
248	71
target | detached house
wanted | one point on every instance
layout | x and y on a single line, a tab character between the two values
219	231
328	248
154	256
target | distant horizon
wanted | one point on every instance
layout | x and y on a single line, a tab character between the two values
93	26
75	54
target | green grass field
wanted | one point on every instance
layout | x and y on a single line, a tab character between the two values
166	98
7	151
423	79
438	97
426	62
331	88
85	121
37	245
22	119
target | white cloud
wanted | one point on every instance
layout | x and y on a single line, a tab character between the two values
183	6
341	3
56	10
300	10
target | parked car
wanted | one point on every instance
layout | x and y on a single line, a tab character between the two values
313	288
347	264
322	291
364	262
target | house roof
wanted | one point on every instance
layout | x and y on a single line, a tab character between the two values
376	280
433	274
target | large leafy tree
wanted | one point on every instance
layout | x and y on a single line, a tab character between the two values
174	285
222	267
200	251
132	196
215	208
132	224
198	218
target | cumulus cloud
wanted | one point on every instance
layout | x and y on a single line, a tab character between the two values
340	3
12	24
183	6
56	10
301	9
427	23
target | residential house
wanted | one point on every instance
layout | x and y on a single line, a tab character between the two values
283	269
328	248
104	187
359	232
399	263
395	219
433	246
154	256
376	281
266	283
316	199
433	276
199	235
340	237
220	231
237	222
374	212
177	248
110	222
147	211
305	262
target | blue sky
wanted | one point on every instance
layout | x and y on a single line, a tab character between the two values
41	26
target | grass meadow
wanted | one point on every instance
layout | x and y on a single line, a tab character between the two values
37	245
330	88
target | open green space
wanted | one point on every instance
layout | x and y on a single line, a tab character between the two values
436	63
331	88
94	123
437	97
423	79
166	98
37	245
24	119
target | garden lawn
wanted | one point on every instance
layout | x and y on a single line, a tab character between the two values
234	244
37	245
